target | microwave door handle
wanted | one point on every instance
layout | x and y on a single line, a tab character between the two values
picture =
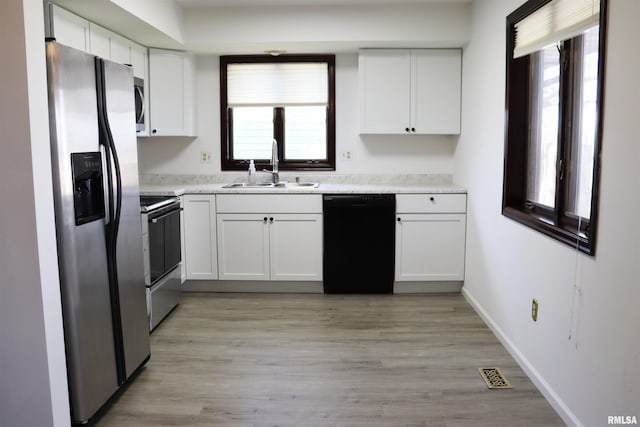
142	106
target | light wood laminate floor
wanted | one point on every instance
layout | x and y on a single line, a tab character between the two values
325	360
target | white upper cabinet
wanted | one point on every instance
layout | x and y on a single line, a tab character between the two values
100	41
410	91
69	29
436	80
72	30
109	45
171	93
385	87
139	61
120	49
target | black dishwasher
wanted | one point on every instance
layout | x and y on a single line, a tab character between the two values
359	243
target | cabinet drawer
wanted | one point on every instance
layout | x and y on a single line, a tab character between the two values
269	203
431	203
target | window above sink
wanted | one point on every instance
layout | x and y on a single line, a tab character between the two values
290	98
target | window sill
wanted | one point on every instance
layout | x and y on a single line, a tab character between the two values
241	165
577	241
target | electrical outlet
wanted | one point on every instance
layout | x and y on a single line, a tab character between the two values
205	157
346	155
534	310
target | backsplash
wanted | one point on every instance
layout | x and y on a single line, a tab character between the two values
364	179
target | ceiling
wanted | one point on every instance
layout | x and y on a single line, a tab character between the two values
252	3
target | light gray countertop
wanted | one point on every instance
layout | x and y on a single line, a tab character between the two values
323	188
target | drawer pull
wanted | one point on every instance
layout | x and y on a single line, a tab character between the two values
432	199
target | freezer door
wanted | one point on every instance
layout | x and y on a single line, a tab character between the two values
84	281
120	102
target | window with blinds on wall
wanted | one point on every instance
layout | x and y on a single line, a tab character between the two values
555	53
289	99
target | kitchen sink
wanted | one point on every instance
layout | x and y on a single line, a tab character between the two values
272	185
302	184
249	185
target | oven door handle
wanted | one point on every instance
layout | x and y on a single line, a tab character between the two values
174	211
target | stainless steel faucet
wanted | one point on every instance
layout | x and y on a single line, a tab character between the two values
275	177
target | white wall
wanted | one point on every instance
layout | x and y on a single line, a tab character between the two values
370	154
33	385
328	28
584	351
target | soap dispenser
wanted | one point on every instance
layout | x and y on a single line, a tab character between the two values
252	172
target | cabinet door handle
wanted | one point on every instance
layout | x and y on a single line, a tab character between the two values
154	131
271	220
264	219
413	129
406	129
432	199
399	219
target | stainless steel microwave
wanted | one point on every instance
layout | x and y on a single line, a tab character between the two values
138	92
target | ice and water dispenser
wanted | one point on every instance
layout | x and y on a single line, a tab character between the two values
88	191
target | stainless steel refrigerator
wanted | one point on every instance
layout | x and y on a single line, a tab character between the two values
96	196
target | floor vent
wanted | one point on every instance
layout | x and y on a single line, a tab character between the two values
494	378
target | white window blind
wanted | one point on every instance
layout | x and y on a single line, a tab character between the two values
284	84
555	21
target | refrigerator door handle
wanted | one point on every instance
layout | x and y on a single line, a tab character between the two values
105	184
115	206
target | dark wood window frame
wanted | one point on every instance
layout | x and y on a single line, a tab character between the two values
555	223
226	117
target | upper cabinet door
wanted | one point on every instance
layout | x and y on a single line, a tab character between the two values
436	81
171	93
139	60
109	45
385	88
99	41
120	49
69	29
410	91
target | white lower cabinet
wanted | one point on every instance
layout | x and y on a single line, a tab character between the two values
278	238
295	249
270	237
430	247
243	240
430	237
270	246
200	250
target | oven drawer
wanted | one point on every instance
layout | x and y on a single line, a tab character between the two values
165	295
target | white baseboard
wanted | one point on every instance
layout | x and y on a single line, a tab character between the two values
426	287
269	286
543	386
266	286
